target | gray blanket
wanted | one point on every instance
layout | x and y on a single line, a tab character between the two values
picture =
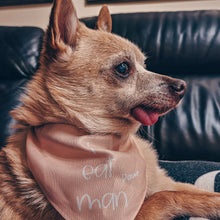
203	174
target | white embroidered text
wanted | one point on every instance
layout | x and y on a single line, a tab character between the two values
102	170
108	200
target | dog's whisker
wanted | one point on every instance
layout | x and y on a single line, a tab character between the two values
144	133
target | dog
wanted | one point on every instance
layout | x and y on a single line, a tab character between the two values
94	84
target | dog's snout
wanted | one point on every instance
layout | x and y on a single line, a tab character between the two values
178	87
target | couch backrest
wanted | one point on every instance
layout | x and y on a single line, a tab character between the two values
181	44
19	53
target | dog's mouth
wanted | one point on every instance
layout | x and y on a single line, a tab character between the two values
145	115
148	115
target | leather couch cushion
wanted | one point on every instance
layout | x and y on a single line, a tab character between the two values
19	53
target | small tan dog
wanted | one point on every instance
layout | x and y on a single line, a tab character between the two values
96	82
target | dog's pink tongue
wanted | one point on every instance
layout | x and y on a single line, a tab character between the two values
145	117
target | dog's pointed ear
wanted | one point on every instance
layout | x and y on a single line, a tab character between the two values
104	22
63	24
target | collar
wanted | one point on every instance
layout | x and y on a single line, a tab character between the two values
87	176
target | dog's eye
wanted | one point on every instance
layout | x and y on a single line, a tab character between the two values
122	69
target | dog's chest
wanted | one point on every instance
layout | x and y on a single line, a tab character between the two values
87	176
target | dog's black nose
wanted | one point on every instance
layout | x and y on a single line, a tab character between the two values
178	87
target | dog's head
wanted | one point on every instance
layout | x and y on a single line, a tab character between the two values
95	79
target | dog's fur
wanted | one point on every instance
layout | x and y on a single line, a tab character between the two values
78	83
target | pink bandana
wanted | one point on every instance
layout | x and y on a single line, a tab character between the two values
87	176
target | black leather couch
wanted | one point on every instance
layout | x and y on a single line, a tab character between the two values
181	44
